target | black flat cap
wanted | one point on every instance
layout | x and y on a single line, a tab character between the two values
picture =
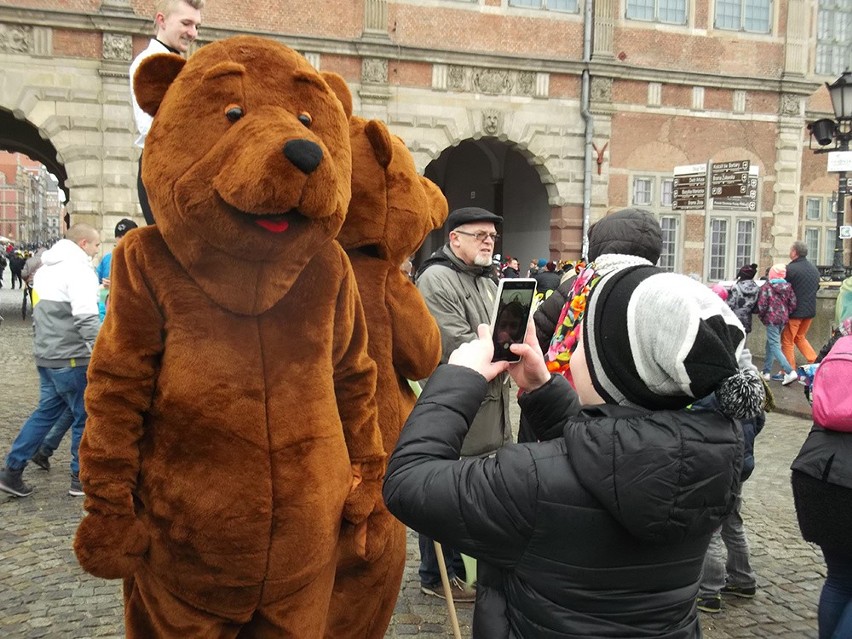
471	214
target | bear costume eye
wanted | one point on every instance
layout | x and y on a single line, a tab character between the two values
234	112
306	119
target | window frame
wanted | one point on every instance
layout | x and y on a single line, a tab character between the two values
543	6
743	12
656	11
731	257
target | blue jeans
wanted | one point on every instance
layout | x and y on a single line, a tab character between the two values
773	350
835	602
736	569
430	574
54	436
59	389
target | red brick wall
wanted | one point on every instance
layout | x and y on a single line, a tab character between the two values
77	44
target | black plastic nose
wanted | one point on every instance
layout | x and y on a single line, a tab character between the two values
304	154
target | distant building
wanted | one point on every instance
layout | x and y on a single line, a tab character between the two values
30	208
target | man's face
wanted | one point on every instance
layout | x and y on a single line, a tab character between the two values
179	28
468	248
514	264
91	245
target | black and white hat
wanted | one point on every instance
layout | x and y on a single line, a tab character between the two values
660	340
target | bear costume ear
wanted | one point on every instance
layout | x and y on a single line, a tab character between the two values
341	90
438	206
153	78
379	136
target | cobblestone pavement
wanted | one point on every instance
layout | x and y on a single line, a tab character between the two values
44	593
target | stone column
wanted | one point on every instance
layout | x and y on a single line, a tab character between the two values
788	174
796	45
605	12
376	19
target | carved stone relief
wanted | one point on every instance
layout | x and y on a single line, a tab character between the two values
491	81
790	104
374	70
117	47
16	38
492	121
602	89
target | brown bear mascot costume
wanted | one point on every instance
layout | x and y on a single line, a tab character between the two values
392	211
232	420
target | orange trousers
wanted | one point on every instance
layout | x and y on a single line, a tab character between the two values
795	333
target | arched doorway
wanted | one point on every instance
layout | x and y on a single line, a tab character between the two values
20	136
497	176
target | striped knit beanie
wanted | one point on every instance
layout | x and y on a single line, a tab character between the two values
659	340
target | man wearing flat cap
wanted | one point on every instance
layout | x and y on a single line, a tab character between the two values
456	283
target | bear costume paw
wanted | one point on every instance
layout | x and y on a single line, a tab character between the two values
110	546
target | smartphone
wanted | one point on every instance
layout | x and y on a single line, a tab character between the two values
509	318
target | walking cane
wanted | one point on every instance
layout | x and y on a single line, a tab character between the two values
442	565
445	582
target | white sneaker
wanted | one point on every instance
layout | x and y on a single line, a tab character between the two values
790	377
767	376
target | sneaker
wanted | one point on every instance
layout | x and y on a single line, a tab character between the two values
778	377
790	377
462	593
41	460
746	592
76	489
712	605
766	376
11	482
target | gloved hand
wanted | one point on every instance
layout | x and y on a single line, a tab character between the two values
366	490
371	536
111	546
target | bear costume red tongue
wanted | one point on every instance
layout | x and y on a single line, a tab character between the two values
274	226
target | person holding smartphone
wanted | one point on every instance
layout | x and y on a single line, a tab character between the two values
600	529
456	284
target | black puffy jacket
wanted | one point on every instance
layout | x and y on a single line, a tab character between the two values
600	532
804	278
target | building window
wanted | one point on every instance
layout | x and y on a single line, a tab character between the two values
567	6
754	16
670	225
813	208
834	33
666	186
821	219
667	11
642	190
718	248
732	244
745	243
812	241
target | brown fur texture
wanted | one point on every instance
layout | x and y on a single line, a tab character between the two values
391	212
232	419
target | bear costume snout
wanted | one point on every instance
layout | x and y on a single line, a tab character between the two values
304	154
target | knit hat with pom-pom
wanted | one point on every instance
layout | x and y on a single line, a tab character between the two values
660	340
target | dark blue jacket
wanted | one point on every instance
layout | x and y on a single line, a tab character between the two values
804	278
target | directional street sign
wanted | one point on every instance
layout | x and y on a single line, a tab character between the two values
689	191
735	190
729	179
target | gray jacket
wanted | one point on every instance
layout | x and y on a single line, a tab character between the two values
460	297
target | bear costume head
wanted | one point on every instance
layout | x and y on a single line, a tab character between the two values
258	172
393	208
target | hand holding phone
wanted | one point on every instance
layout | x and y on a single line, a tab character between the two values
509	318
531	372
477	353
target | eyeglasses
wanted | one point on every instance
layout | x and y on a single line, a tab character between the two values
480	236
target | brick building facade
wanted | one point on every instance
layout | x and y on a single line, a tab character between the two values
30	209
549	111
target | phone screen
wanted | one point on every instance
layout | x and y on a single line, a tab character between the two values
514	304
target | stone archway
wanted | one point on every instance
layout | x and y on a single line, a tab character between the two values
499	176
21	136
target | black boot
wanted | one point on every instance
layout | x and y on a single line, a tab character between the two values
11	482
41	460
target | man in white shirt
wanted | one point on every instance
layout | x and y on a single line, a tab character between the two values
176	23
